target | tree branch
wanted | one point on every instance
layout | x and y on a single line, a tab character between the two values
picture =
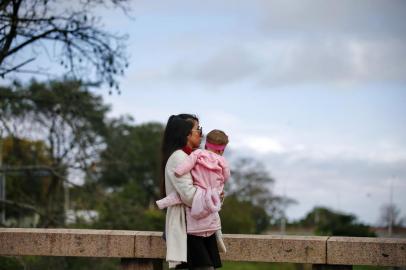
12	34
27	42
16	67
29	207
4	4
8	169
22	205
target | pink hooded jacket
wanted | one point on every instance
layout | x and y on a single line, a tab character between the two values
209	171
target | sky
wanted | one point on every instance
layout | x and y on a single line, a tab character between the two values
315	90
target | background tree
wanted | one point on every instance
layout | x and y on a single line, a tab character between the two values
26	181
128	177
132	155
243	217
250	205
80	43
328	222
390	216
67	118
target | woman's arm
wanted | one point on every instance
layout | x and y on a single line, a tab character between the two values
184	184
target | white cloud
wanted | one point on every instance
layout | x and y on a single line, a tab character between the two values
349	180
260	144
328	42
227	65
369	18
276	63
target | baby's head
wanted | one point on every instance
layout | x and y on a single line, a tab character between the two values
216	141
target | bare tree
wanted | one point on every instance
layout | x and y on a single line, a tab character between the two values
390	216
79	42
252	182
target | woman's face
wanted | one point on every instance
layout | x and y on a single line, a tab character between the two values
195	137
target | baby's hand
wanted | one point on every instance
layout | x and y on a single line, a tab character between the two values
222	196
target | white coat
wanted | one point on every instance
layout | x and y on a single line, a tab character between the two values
175	225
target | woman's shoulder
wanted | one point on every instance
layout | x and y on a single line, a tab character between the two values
176	157
178	154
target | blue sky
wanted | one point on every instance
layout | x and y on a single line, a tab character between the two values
313	89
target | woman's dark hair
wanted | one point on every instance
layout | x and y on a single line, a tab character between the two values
175	135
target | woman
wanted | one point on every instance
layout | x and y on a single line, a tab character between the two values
182	135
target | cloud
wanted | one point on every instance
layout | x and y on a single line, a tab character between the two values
261	144
323	42
330	62
267	44
360	19
228	65
340	42
318	154
276	63
339	177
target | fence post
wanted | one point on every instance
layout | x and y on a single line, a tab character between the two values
141	264
331	267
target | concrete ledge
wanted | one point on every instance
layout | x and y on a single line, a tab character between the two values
260	248
366	251
137	244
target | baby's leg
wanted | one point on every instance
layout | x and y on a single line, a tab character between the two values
171	199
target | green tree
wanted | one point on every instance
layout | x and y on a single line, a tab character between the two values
242	216
328	222
122	210
68	119
132	156
26	181
126	178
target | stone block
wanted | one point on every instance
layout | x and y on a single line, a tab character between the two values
67	242
269	248
149	245
366	251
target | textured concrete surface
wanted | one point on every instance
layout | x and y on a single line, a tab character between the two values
261	248
366	251
149	245
66	242
269	248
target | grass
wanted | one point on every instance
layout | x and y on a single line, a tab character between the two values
284	266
